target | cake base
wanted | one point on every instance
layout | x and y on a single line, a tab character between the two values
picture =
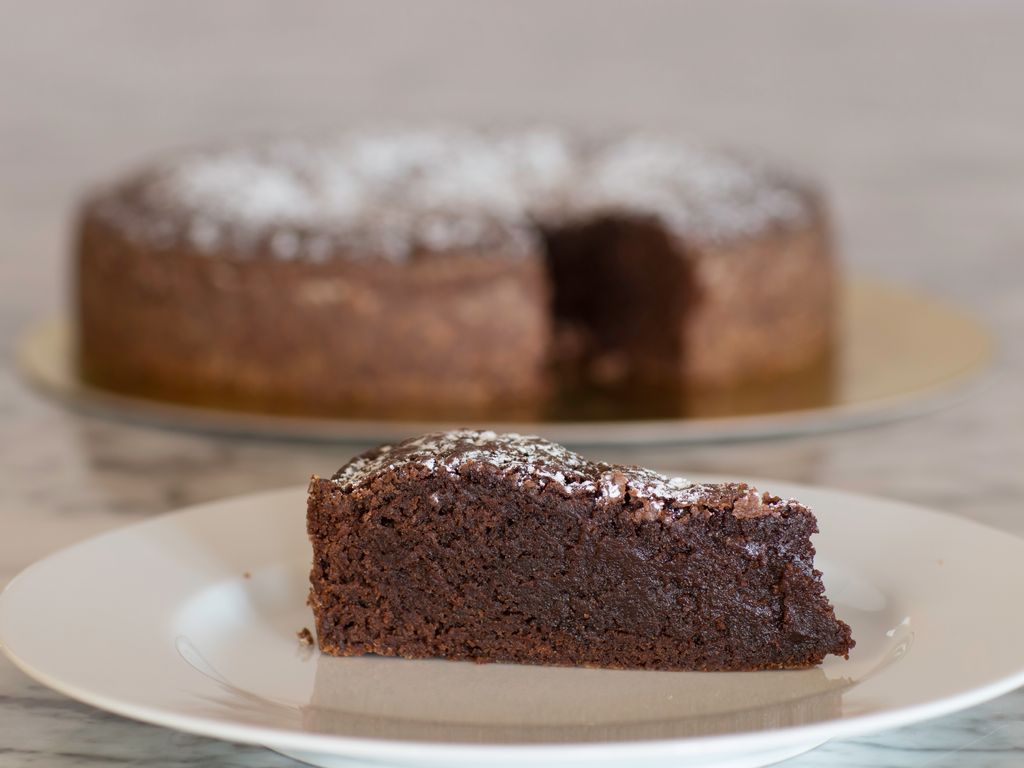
900	355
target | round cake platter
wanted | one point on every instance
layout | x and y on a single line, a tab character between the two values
900	354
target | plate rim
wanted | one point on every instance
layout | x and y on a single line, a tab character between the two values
359	746
942	392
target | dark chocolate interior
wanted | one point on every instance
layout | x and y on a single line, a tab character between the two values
621	290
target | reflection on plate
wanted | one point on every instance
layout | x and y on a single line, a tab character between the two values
183	622
899	355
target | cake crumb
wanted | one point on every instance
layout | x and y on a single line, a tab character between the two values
305	636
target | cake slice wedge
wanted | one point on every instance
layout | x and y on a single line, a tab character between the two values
504	548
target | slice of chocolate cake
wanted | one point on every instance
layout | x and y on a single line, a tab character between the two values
490	547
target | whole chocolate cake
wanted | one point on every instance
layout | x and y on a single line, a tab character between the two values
429	269
490	547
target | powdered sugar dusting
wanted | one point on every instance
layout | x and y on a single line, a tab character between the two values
452	451
387	194
693	191
524	458
392	194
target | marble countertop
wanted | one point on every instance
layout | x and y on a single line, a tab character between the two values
911	113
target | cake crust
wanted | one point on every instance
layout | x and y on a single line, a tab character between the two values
502	548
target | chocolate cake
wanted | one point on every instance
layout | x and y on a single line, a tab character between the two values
419	271
504	548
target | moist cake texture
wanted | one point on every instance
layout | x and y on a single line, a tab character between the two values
504	548
447	268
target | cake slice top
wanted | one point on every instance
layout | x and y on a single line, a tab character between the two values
532	462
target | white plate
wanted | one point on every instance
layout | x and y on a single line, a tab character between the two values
189	621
